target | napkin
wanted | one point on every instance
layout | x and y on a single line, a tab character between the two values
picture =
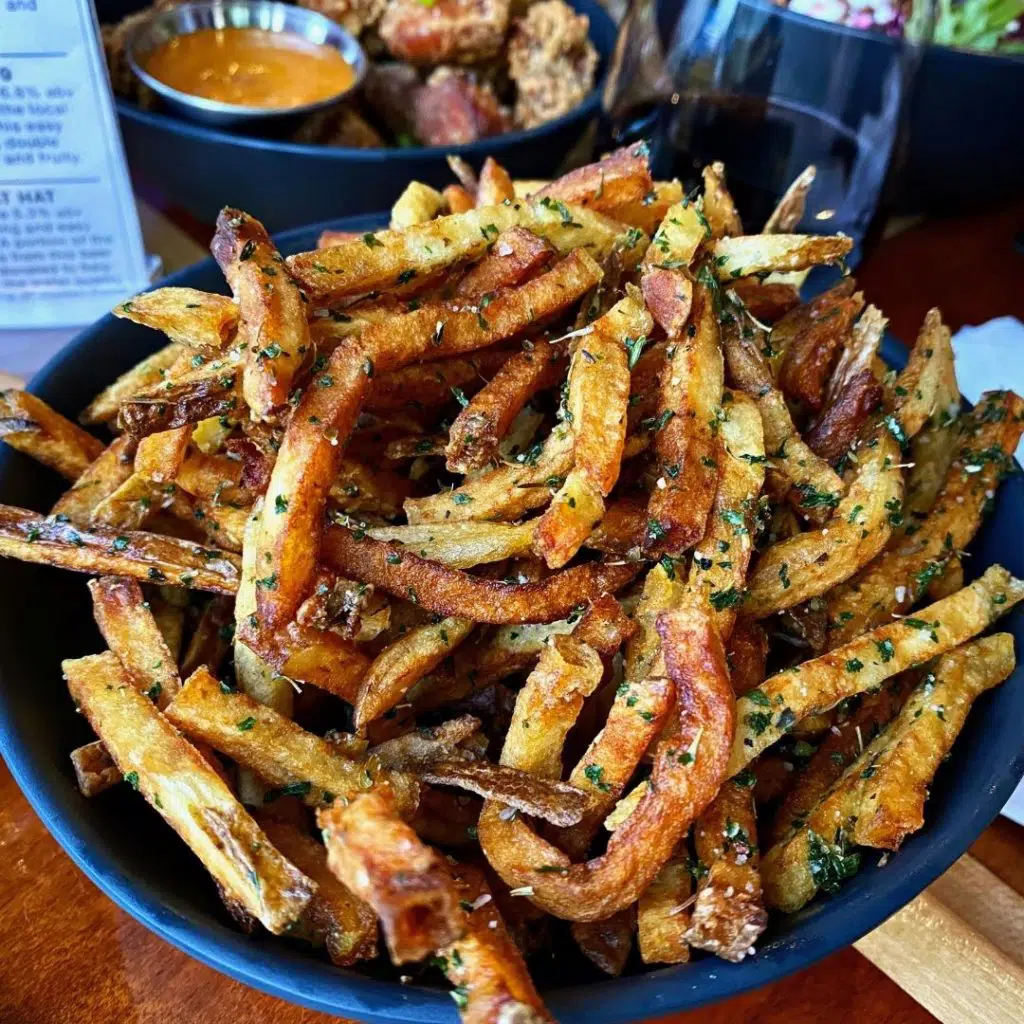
987	357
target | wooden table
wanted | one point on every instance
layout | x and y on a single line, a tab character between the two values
69	955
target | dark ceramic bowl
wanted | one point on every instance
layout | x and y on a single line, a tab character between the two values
201	168
132	856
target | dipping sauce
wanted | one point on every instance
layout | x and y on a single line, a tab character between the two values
251	67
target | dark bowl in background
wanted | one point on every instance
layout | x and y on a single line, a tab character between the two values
963	148
129	853
287	184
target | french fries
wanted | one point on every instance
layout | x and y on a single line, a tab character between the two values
188	794
149	557
880	797
452	592
280	752
688	417
382	861
30	425
271	309
583	432
188	317
596	410
128	626
377	260
773	708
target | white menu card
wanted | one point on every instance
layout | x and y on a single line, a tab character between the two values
70	245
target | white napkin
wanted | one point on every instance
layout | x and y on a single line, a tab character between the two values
987	357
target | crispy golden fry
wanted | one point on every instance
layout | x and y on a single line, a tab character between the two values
457	198
933	449
136	501
812	352
127	624
495	185
143	556
414	655
765	714
548	799
718	572
605	626
742	255
434	384
922	735
474	437
452	592
691	401
276	749
324	418
612	184
376	261
919	553
608	943
210	390
460	545
272	311
596	406
925	382
141	377
95	771
679	791
836	429
103	476
634	721
211	638
663	914
492	983
790	209
516	256
679	236
653	208
719	208
381	860
30	425
187	316
159	456
334	918
507	492
547	707
418	204
816	487
879	799
812	563
841	746
188	794
255	676
668	294
728	915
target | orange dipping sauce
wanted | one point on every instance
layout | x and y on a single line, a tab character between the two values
251	67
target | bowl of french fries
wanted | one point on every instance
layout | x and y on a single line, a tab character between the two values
531	613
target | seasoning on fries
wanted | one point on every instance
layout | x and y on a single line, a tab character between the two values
503	512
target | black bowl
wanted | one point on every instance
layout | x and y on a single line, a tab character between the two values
130	854
286	184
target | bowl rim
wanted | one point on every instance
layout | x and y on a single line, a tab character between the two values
493	144
336	37
826	926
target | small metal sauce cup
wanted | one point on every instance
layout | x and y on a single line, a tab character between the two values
262	14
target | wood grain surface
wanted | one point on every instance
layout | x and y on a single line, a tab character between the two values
70	956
